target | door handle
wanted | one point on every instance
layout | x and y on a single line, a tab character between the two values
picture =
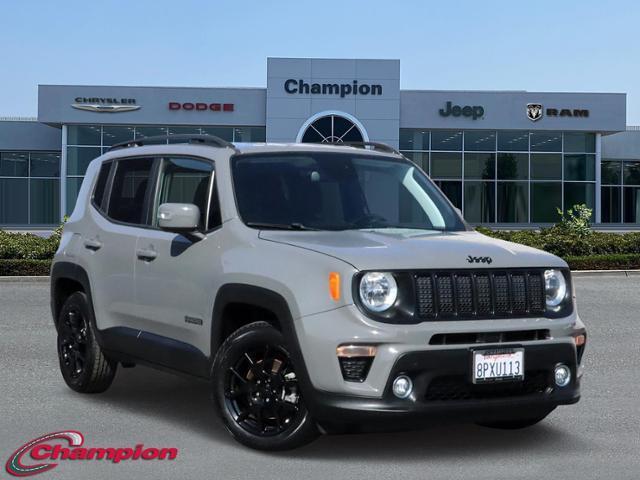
146	254
92	244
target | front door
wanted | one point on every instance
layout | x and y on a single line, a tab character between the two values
174	276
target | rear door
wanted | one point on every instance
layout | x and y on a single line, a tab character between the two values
174	281
120	211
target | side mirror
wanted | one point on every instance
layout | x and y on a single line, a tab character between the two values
180	218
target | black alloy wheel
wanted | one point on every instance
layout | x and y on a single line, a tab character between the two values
84	366
257	391
261	391
72	343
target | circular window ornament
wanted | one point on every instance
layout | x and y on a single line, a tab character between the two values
332	128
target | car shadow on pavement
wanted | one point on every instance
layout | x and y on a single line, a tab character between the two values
185	403
453	442
181	402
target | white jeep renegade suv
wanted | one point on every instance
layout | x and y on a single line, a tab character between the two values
320	288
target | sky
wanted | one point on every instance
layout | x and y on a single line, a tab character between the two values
574	46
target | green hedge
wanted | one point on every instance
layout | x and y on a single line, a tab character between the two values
28	254
628	261
24	267
568	244
27	246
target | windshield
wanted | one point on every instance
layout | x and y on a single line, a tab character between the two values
337	191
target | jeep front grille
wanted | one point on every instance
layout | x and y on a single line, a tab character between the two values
479	294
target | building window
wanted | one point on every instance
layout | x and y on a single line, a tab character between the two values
446	140
545	200
513	166
611	205
480	140
479	201
29	188
513	202
619	191
513	141
579	142
446	165
332	129
512	176
480	166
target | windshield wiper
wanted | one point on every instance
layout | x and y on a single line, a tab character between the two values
280	226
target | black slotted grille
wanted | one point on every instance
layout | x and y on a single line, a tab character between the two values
479	294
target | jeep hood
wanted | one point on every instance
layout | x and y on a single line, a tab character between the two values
386	249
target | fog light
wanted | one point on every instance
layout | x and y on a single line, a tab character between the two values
402	386
562	375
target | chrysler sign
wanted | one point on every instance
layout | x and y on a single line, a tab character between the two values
105	105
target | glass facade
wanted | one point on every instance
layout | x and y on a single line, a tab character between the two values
86	142
620	191
29	188
509	176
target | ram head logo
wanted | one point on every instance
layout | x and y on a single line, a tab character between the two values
534	111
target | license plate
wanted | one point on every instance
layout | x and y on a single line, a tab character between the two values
498	365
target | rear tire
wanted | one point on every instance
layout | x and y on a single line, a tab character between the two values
256	391
516	423
83	365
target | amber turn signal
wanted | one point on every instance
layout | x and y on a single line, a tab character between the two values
350	351
580	340
334	285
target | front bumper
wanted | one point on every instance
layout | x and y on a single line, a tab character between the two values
443	390
441	374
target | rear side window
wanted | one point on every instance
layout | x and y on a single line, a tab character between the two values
131	181
101	184
187	180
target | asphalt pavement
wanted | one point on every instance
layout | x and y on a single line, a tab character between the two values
595	439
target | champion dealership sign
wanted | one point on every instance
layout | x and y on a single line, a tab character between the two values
43	453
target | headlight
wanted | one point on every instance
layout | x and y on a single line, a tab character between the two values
555	287
378	291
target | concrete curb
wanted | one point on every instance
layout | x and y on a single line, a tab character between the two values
597	273
25	279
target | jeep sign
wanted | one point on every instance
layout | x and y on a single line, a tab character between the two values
475	112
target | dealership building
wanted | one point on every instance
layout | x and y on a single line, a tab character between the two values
505	158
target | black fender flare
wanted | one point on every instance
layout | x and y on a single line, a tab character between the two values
67	271
269	300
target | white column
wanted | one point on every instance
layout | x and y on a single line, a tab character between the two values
63	174
598	177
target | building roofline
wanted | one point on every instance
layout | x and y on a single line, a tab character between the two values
414	90
18	119
147	86
511	91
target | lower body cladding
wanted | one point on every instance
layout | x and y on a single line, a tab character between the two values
407	381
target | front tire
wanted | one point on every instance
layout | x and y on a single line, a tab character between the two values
83	365
256	390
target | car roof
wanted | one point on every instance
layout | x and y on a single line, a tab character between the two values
304	147
243	148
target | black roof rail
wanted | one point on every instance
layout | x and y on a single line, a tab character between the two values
382	147
210	140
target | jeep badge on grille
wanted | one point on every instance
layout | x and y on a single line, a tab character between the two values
472	259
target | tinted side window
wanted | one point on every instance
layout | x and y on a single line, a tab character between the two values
98	193
130	183
186	180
